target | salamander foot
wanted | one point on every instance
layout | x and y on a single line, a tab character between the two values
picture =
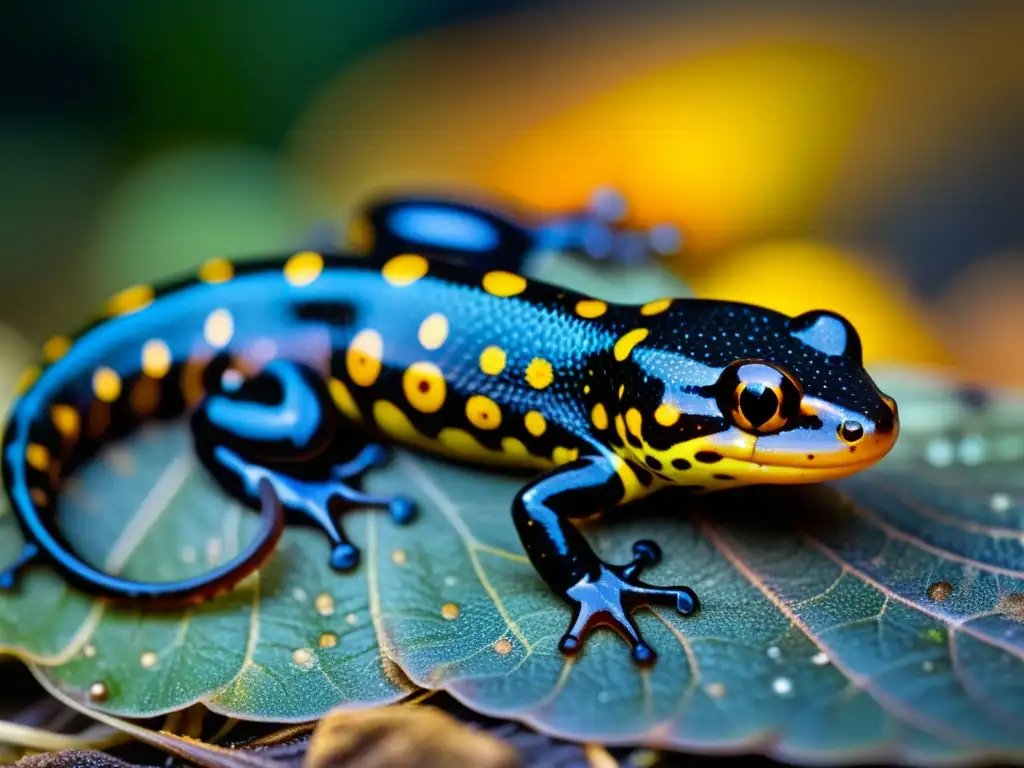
9	576
610	596
323	501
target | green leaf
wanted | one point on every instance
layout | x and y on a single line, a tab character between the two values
822	636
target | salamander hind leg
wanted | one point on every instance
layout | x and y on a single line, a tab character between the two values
598	592
281	425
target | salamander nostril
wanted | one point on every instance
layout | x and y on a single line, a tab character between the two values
851	431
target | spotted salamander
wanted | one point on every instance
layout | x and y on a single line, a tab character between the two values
294	373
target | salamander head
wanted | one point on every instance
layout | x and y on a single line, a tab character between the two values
719	394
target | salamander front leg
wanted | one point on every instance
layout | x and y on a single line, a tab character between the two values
598	592
281	425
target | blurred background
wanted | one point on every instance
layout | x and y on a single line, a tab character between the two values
865	158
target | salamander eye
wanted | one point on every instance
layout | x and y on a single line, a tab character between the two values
759	398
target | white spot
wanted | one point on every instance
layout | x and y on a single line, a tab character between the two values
820	658
774	653
782	686
89	651
299	595
302	658
187	554
928	666
971	450
231	380
939	453
352	619
214	547
450	581
1000	502
219	328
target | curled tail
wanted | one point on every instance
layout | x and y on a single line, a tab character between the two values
149	358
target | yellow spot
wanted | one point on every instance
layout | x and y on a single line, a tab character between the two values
586	389
148	660
398	557
634	421
156	358
655	307
219	328
145	396
98	691
37	456
216	271
106	384
539	373
591	308
302	657
129	300
405	269
27	379
483	412
55	348
503	647
328	640
324	604
535	423
513	446
460	442
499	283
343	399
450	611
433	331
39	497
363	358
564	455
625	345
424	387
303	268
599	416
666	415
622	390
66	420
492	361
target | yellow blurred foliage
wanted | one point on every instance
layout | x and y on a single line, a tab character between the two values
744	141
796	276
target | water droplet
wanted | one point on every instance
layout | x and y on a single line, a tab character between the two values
939	453
774	653
352	619
971	450
940	590
299	595
302	657
328	640
324	604
503	646
715	690
148	660
782	686
450	611
820	658
1000	502
89	651
98	691
398	557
